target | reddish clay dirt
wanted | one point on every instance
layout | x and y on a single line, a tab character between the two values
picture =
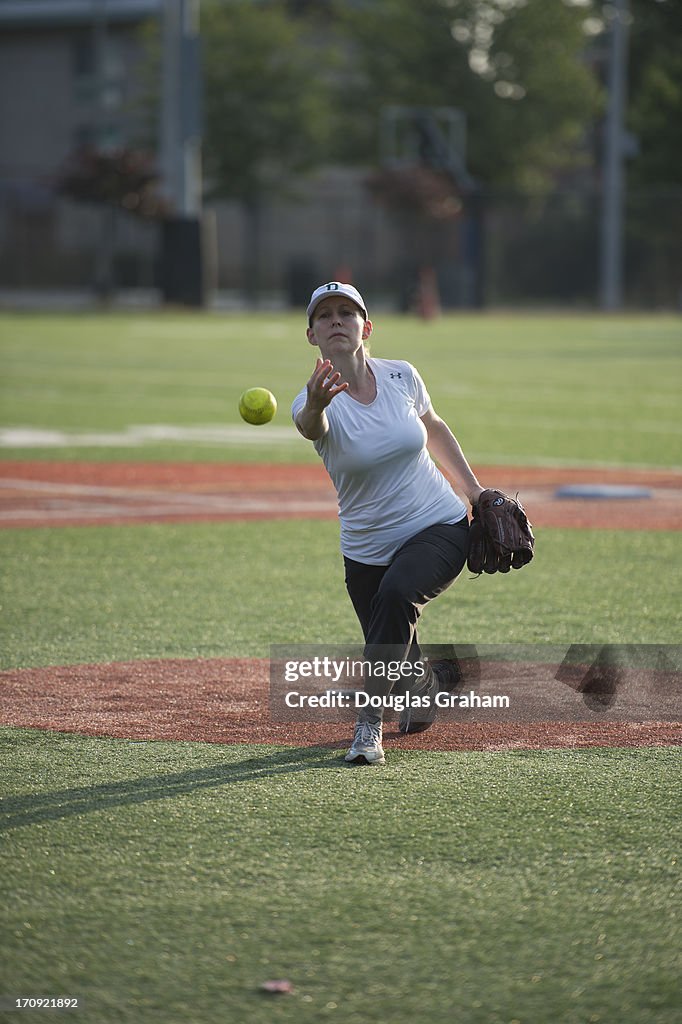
93	493
226	701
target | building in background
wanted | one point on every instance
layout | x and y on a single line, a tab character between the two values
72	74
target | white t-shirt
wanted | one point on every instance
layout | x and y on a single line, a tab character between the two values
387	484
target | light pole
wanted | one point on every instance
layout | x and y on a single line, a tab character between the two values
613	171
182	271
102	138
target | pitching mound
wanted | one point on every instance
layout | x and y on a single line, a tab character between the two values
226	701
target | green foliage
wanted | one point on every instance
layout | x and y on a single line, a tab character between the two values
266	112
167	882
657	107
515	70
655	91
541	134
290	85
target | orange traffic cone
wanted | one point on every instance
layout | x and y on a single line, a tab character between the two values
344	274
428	297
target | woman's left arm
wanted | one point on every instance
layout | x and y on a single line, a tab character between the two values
446	450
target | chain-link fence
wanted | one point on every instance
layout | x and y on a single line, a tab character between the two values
504	249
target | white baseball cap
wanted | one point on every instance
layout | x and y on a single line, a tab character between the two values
336	288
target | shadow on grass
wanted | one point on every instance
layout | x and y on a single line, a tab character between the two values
65	803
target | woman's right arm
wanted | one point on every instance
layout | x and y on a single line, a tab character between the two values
312	420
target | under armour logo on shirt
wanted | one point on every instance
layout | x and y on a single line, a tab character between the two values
393	375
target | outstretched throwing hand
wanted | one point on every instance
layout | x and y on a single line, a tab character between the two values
324	385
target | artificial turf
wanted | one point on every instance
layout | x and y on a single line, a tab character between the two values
167	882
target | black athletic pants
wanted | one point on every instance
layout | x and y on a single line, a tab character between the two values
388	599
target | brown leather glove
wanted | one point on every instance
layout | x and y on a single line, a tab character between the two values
501	537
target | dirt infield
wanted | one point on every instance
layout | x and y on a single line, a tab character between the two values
226	701
93	493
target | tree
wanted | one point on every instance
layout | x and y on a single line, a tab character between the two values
124	177
514	67
654	173
266	112
267	115
655	91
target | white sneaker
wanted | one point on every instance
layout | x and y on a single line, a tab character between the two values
366	748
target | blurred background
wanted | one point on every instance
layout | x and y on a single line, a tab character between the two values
444	154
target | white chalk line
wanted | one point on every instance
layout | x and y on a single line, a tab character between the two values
154	433
267	435
62	502
86	511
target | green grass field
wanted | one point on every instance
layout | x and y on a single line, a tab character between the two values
165	882
514	389
179	590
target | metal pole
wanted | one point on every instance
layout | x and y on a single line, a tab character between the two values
169	127
99	60
190	62
183	277
180	107
613	176
101	138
